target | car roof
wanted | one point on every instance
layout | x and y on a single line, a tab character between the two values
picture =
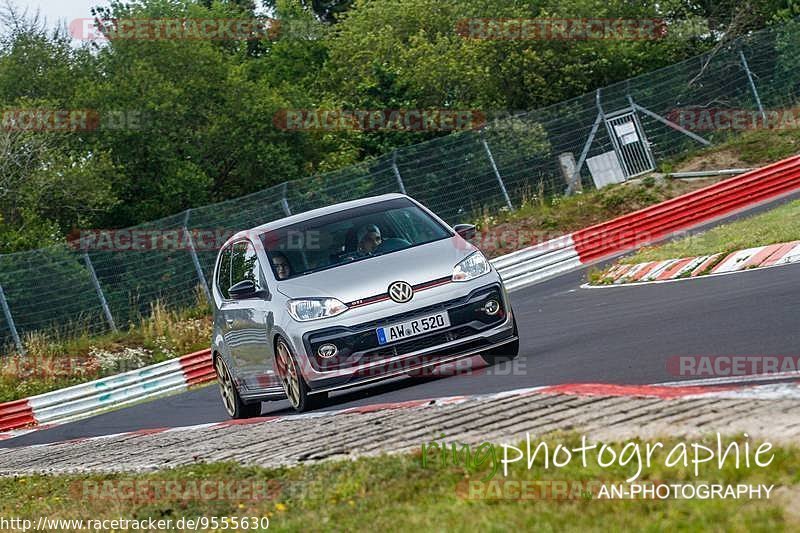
314	213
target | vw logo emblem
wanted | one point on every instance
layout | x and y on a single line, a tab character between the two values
401	292
326	351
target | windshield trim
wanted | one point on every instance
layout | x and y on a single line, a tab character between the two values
360	259
406	202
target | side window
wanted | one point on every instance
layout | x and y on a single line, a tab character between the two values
224	274
244	264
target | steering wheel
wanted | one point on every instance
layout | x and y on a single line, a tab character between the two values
390	245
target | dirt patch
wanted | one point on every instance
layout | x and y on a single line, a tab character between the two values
719	160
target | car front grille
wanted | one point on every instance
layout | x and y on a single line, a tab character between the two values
359	345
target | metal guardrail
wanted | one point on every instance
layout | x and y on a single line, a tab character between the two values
537	263
86	399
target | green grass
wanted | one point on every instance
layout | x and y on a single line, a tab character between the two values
778	225
396	493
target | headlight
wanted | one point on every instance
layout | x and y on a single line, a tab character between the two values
472	267
315	308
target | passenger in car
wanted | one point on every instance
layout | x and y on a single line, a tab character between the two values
281	265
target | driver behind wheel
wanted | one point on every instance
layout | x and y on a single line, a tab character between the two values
369	238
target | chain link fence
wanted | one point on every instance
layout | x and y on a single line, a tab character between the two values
62	289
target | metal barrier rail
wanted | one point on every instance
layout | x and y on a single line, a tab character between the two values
114	391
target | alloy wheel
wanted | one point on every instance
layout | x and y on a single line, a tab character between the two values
287	372
225	386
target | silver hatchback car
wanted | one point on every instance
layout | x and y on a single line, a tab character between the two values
351	294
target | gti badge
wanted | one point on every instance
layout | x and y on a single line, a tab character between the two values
401	292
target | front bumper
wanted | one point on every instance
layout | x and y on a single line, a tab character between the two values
361	359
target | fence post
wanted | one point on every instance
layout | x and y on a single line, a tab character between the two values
285	202
10	320
195	259
397	173
752	85
99	290
496	171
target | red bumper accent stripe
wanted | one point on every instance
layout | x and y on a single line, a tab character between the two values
385	296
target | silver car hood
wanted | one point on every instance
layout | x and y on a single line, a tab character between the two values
371	277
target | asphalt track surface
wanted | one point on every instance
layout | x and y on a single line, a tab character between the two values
622	335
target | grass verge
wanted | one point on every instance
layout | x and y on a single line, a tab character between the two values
396	492
53	363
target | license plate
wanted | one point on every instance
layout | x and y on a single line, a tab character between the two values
412	328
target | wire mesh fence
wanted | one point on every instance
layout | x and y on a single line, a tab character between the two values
509	160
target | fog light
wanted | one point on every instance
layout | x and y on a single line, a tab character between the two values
492	307
326	351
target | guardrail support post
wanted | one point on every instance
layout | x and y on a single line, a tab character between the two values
672	125
752	85
496	171
587	145
397	173
285	202
99	290
195	259
10	320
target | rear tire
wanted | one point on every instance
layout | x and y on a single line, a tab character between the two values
236	408
504	353
297	391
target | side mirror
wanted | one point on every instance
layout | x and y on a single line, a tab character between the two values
467	231
242	290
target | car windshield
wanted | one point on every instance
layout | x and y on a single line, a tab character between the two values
347	236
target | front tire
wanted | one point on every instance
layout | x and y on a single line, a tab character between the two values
504	353
297	391
233	403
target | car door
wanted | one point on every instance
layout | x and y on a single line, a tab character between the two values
248	320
